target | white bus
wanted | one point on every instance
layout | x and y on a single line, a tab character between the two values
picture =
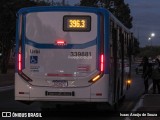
73	54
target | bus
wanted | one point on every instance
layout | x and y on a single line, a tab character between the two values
71	54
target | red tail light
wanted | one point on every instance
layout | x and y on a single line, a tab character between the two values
19	62
102	63
60	42
97	77
20	68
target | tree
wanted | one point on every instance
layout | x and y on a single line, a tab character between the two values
91	3
117	7
122	12
149	51
8	10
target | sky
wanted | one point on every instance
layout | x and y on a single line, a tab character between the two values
146	20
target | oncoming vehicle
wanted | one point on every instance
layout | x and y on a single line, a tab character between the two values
70	54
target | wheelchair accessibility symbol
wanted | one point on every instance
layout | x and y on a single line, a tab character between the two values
33	59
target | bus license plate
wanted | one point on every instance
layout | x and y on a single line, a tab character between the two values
59	83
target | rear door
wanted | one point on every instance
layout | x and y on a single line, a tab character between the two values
61	48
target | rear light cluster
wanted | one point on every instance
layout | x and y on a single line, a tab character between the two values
60	42
19	56
20	68
19	62
102	63
101	48
101	70
96	78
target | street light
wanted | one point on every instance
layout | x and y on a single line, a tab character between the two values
152	34
150	37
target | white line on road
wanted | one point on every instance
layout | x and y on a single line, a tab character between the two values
139	103
6	88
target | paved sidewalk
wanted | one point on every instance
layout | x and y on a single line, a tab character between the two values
150	105
7	79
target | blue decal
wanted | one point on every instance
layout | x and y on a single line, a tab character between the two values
33	59
69	46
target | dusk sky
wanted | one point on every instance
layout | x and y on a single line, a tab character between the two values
146	19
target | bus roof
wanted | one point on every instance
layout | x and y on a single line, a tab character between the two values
68	8
60	8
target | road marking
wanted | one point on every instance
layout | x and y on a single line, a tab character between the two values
6	88
139	103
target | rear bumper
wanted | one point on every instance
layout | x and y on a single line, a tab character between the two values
96	92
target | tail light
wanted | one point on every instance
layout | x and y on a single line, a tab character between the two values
60	42
102	63
20	68
97	77
19	62
101	59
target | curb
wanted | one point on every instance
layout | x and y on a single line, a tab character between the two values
138	104
6	88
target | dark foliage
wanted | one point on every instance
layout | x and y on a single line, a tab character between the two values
118	8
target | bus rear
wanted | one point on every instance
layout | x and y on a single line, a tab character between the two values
60	55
